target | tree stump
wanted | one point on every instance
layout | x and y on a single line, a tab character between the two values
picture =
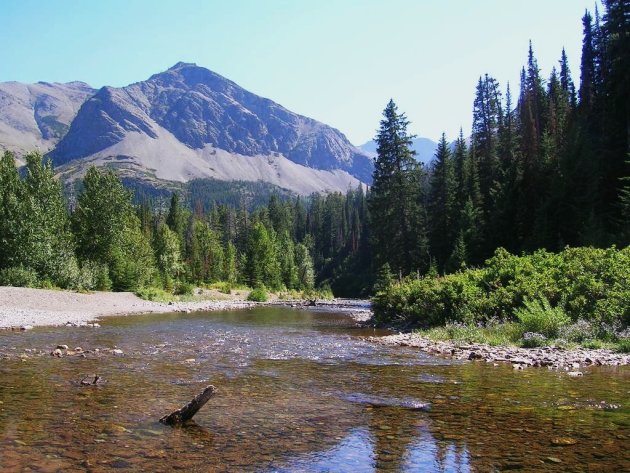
186	412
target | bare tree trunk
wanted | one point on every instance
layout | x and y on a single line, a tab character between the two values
186	412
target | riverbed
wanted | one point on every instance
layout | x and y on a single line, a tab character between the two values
298	390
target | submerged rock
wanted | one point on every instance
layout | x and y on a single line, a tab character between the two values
378	401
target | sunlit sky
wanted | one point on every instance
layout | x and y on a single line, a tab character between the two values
336	61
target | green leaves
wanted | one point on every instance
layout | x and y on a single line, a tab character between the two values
544	291
108	231
396	211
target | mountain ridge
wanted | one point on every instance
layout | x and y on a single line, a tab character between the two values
189	122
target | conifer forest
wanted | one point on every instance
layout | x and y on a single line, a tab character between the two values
546	166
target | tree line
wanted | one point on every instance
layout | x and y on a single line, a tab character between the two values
105	241
549	171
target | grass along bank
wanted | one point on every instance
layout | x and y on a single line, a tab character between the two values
578	297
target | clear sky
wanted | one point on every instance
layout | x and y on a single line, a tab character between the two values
338	61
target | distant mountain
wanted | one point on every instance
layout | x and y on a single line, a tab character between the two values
189	122
37	116
424	148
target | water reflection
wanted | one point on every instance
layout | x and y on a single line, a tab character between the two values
298	391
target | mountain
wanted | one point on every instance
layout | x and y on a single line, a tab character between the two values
189	122
424	148
37	116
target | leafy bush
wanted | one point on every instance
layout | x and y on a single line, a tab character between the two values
539	317
224	286
493	333
184	289
533	340
18	276
154	294
259	294
623	346
592	344
586	284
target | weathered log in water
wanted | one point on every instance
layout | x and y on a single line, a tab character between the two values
91	380
186	412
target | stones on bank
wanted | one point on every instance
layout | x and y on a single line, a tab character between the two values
520	358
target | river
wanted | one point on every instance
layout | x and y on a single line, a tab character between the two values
298	391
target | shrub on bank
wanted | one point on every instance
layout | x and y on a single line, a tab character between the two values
259	294
18	277
545	292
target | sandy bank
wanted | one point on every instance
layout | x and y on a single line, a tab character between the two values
20	307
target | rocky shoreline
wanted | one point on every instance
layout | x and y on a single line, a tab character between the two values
24	308
570	360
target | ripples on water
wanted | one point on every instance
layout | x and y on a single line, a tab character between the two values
298	391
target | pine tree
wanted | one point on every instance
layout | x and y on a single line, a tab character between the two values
487	119
566	82
587	66
399	234
442	209
615	102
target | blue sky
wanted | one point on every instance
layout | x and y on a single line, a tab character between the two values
336	61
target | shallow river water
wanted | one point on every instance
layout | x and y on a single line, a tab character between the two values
298	391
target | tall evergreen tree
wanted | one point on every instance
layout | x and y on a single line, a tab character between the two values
442	204
487	119
399	233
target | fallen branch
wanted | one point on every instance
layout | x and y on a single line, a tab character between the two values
91	380
186	412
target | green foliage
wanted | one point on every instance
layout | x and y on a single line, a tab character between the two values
539	316
593	344
384	279
18	276
184	289
258	294
263	267
493	334
34	222
395	204
96	275
108	231
578	283
205	253
623	346
154	294
305	271
533	340
167	251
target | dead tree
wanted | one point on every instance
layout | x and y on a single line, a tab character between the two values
186	412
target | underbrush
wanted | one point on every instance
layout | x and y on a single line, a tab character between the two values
322	293
493	335
575	297
258	294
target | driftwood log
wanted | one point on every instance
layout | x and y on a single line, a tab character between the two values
186	412
92	380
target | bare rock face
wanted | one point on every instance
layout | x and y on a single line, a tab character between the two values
37	116
191	113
